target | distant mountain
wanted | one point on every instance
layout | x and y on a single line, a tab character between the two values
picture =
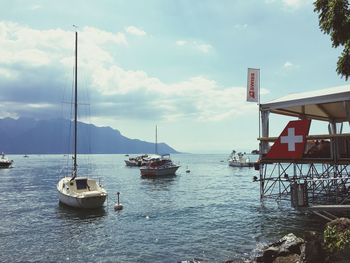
29	136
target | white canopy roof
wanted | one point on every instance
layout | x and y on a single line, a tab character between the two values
332	104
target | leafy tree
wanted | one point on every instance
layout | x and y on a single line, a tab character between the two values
334	20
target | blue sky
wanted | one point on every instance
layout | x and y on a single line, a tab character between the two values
181	65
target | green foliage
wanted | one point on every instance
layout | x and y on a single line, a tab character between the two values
334	20
335	240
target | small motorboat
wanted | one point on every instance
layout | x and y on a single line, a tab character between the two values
5	162
159	166
239	160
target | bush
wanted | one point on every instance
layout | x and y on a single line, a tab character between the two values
335	240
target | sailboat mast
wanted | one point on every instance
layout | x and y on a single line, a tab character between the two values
75	105
156	145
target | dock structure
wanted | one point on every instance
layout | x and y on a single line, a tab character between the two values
320	179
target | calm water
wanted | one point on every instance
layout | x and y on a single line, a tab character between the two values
212	214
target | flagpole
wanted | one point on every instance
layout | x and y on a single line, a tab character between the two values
253	90
259	108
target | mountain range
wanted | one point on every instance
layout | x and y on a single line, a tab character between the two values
55	136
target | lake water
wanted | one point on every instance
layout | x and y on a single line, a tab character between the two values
212	213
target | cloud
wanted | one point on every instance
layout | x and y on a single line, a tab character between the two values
6	73
181	42
293	3
199	46
146	97
97	37
36	77
205	48
36	7
290	4
241	26
289	66
132	30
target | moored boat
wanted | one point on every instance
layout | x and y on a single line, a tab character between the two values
5	162
136	161
79	192
159	166
239	160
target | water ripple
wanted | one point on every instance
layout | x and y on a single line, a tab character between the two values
212	214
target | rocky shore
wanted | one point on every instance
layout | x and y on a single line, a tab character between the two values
331	246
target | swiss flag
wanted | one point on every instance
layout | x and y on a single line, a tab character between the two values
291	142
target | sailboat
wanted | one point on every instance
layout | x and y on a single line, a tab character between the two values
74	191
158	165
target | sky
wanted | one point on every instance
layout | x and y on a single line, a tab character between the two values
178	64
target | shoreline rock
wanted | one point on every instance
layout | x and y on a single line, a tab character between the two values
288	249
331	246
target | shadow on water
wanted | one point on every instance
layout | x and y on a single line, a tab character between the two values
158	182
170	177
285	220
67	212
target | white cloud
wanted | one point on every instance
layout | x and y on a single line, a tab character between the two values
198	98
241	26
98	36
35	7
7	73
22	45
129	94
205	48
290	4
289	66
181	42
293	3
132	30
198	46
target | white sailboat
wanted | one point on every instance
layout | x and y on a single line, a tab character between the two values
74	191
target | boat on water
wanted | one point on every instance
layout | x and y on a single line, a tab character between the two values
159	166
74	191
239	160
143	159
136	161
5	162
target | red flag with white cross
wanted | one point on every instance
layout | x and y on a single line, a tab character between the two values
291	142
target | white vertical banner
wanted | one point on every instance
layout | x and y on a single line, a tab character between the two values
253	84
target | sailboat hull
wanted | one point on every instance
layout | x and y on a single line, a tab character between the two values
89	195
85	203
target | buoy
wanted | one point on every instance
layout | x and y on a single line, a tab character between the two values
187	170
118	206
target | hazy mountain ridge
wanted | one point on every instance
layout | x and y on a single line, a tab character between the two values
29	136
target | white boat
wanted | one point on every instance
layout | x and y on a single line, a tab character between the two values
143	159
5	162
159	166
239	160
79	192
136	161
